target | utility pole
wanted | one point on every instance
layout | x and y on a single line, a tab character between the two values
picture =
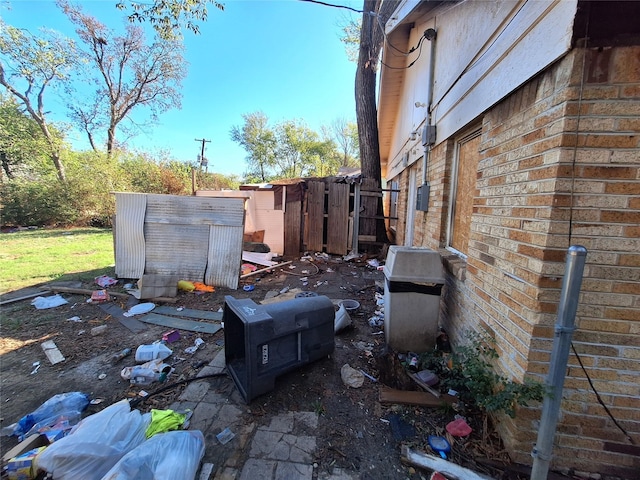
203	160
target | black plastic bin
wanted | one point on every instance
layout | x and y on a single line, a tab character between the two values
265	341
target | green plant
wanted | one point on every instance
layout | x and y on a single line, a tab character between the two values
473	377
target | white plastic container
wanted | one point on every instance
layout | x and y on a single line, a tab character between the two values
146	353
143	376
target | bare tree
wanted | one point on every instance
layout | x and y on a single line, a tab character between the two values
375	15
28	67
131	74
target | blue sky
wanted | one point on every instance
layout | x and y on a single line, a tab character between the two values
282	57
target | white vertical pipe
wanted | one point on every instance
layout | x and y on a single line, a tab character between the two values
575	260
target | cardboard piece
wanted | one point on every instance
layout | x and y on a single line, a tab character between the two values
52	352
155	285
32	441
21	467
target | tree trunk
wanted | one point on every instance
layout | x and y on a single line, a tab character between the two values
371	39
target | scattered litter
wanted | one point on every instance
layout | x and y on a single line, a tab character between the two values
373	263
284	290
74	319
342	319
164	421
146	353
52	352
352	255
81	332
350	305
102	376
225	436
119	356
248	288
99	296
291	267
105	281
304	279
66	406
52	301
305	272
322	255
36	366
98	330
205	471
373	379
351	377
171	336
329	270
186	286
140	309
376	321
203	287
110	433
247	268
96	401
459	427
198	343
439	445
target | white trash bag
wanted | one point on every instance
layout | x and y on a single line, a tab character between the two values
165	456
95	444
342	319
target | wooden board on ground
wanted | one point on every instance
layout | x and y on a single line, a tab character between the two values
116	312
425	399
189	312
180	324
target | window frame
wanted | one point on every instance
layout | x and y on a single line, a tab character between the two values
469	135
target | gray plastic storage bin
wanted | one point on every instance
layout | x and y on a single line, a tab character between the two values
265	341
413	284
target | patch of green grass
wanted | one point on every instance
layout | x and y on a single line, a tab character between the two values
32	257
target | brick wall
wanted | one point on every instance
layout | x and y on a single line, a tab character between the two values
560	166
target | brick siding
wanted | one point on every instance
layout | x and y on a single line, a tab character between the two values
559	166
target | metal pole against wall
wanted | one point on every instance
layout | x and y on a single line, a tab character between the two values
575	260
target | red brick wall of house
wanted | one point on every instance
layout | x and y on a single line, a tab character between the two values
560	166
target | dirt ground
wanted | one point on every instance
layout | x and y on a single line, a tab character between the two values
356	432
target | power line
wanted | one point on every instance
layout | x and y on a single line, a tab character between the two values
335	6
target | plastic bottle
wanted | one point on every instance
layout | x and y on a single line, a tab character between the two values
119	356
143	376
61	405
146	353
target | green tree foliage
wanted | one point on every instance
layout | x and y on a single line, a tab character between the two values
22	143
290	149
128	74
169	18
259	141
29	65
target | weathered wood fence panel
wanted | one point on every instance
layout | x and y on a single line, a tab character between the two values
338	218
292	228
315	216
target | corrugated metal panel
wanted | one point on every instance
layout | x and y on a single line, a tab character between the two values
178	210
225	256
177	250
171	235
129	234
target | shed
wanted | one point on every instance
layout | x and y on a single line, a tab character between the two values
196	238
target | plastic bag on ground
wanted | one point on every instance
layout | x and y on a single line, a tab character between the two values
95	444
42	303
165	456
62	406
342	319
